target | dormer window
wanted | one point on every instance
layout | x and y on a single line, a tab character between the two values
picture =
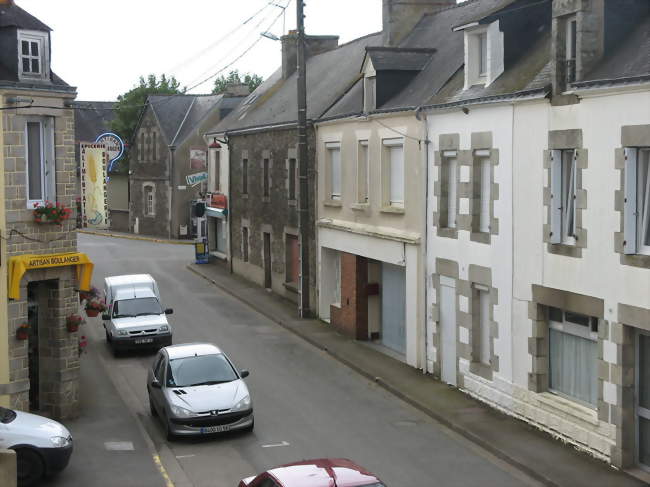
483	53
32	55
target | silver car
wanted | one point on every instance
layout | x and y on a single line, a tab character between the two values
195	390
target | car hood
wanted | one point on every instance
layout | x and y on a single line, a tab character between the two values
200	399
29	425
141	322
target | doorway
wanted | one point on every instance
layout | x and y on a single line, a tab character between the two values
393	307
643	400
448	329
267	260
33	350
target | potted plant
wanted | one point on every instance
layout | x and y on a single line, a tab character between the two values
94	293
95	306
22	332
51	212
73	322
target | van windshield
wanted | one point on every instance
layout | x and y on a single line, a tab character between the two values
127	308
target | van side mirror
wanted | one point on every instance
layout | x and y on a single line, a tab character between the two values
155	383
244	373
169	311
106	316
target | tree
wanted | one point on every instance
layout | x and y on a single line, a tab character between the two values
130	104
220	84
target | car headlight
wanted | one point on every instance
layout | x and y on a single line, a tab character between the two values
60	441
122	333
180	412
243	404
164	328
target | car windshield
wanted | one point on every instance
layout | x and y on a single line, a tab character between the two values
199	371
136	307
7	415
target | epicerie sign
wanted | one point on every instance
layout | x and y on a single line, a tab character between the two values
114	146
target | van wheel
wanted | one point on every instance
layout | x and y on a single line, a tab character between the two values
29	466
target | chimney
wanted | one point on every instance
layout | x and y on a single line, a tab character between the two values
315	45
400	16
578	40
237	89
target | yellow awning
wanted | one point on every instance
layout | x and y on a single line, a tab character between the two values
19	264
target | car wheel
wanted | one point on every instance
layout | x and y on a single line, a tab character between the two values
29	466
152	408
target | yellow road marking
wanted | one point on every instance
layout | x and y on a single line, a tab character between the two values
163	472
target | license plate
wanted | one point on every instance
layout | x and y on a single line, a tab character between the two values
215	429
143	340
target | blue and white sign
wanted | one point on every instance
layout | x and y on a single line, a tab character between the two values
194	179
114	147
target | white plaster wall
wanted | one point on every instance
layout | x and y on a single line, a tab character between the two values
498	255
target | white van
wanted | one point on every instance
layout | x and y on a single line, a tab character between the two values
135	317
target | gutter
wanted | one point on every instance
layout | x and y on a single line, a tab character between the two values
22	86
518	95
611	83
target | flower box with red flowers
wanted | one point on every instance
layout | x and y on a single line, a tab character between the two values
22	332
73	322
49	212
94	307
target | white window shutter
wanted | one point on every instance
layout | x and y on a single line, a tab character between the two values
556	197
630	206
396	175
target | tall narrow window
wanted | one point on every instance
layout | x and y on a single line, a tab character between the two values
31	56
292	179
636	225
363	172
39	155
334	158
573	352
244	176
149	207
643	201
141	146
266	177
482	186
449	188
221	238
563	196
34	158
571	50
154	144
292	260
482	54
485	354
217	171
244	243
395	171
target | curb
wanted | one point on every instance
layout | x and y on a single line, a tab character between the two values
390	388
134	237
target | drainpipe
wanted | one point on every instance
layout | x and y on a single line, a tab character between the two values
171	191
229	215
424	247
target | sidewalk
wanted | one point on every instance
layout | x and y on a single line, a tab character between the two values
132	236
526	448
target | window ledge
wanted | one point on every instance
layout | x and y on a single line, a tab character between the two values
399	210
569	407
291	286
360	206
333	203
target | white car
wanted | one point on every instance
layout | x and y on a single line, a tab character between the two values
42	445
196	390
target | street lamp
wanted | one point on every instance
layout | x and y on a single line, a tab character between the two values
270	35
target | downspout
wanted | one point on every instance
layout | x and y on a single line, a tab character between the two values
229	216
425	244
171	191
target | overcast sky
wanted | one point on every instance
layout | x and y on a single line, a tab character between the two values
102	47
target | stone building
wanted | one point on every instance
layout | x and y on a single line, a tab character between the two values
168	160
40	263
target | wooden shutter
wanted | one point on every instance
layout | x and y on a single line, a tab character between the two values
630	206
556	197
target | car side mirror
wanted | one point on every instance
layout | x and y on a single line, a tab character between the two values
106	316
244	373
155	383
169	311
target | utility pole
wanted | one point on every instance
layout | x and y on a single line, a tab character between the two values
303	164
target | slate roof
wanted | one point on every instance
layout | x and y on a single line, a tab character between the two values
398	59
329	76
14	16
631	59
92	118
179	115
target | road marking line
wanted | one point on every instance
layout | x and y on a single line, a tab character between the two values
273	445
163	472
184	456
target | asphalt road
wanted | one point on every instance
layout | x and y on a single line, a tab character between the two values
307	405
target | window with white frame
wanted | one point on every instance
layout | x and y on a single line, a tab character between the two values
32	53
363	172
334	160
482	53
573	353
449	187
482	188
563	196
395	171
149	200
636	223
40	158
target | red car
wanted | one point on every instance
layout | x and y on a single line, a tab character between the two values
323	472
